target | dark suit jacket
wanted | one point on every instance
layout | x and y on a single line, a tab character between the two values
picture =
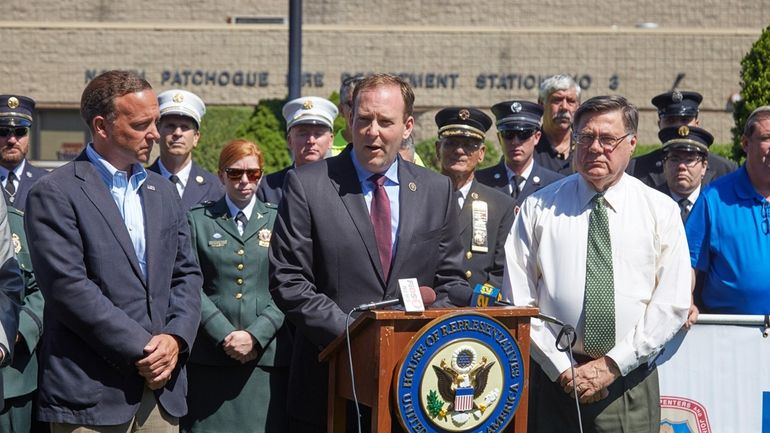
100	311
497	178
20	378
30	175
649	168
271	188
324	259
486	266
201	187
226	258
11	289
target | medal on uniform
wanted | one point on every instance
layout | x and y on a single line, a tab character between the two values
264	238
480	215
16	243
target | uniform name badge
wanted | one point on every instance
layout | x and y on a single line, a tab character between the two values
480	216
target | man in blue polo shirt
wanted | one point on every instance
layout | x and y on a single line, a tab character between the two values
729	230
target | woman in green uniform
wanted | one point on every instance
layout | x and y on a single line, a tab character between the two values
238	367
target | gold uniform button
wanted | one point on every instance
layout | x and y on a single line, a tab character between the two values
241	252
239	281
468	275
238	295
468	255
240	266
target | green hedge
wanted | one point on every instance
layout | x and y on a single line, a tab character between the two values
755	87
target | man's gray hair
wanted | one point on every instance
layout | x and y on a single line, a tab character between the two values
554	83
607	104
755	117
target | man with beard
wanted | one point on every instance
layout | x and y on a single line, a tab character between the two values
517	174
560	97
180	120
676	108
486	215
309	126
16	173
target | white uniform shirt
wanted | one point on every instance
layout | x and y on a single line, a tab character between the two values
546	267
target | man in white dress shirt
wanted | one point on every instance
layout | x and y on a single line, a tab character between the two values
600	250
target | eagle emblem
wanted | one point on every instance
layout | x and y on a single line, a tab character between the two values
461	382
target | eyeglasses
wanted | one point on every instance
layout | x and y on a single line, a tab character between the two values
765	221
688	161
252	174
608	142
19	132
520	135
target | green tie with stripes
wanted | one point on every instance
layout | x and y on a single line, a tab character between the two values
599	335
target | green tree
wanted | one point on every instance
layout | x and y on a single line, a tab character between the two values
267	128
218	126
755	87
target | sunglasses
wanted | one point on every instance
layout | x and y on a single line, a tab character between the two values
521	135
252	174
19	132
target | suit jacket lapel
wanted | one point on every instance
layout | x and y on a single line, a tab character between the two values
193	191
410	200
343	176
465	214
257	221
153	216
94	188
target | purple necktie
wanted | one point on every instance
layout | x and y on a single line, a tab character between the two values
380	215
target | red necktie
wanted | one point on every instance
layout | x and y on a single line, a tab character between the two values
380	215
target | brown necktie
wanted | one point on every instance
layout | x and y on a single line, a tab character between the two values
380	215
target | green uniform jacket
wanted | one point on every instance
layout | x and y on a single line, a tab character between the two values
20	378
235	285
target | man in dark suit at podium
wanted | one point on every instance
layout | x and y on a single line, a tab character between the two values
349	228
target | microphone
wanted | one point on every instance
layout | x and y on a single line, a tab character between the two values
487	295
427	294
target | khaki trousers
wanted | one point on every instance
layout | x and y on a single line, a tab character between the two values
150	418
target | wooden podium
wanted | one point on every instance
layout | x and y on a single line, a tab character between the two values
378	340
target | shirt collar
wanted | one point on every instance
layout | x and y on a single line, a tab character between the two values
525	174
614	196
107	171
18	170
234	209
743	187
183	174
466	189
691	197
363	174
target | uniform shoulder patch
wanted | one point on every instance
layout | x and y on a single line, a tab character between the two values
271	205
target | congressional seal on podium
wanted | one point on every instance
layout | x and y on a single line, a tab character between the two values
462	372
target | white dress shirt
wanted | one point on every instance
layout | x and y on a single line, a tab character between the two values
546	267
234	209
690	198
183	175
525	175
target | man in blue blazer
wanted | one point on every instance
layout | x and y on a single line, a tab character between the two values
114	262
518	174
16	173
349	228
180	120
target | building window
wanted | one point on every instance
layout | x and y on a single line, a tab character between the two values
59	135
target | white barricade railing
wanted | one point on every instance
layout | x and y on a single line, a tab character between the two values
717	378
